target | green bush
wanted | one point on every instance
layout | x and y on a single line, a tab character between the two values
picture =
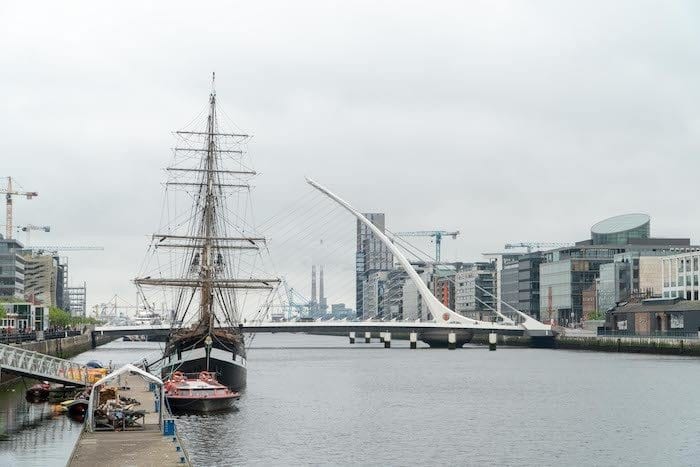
61	318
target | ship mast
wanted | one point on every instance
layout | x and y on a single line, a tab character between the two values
206	243
207	272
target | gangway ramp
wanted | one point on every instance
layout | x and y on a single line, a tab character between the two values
40	366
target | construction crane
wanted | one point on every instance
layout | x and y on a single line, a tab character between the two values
436	234
30	227
9	193
56	248
530	245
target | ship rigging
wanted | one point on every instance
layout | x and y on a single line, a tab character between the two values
207	252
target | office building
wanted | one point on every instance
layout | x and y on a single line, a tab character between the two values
568	271
510	284
395	283
679	274
412	304
373	292
371	256
499	260
41	278
475	289
25	317
12	266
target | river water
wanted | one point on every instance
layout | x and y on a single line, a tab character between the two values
318	400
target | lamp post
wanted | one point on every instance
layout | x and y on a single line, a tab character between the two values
208	342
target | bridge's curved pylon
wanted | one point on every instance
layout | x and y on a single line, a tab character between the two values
439	311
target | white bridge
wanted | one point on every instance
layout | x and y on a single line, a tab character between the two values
444	322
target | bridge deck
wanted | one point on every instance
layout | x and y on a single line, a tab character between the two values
328	326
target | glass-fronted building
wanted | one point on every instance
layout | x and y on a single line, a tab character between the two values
621	230
25	317
529	283
680	275
371	255
568	271
510	286
12	267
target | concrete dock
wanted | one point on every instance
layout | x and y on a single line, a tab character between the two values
140	447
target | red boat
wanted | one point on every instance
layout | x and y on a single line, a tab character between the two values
198	392
39	392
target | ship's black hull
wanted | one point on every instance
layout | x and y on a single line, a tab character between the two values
229	372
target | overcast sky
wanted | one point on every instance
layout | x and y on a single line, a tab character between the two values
510	121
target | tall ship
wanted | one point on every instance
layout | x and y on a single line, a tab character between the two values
205	260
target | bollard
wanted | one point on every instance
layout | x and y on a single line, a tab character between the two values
413	337
352	337
493	339
169	428
387	340
451	341
368	337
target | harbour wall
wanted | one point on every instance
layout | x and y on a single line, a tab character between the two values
629	344
65	347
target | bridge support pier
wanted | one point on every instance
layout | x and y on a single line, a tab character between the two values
387	340
493	339
413	338
368	337
352	337
451	341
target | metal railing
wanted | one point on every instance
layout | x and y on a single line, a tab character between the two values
41	366
19	337
647	335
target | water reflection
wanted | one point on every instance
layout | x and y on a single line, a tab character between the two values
33	434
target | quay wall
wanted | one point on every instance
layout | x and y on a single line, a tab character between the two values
630	344
651	345
520	341
65	347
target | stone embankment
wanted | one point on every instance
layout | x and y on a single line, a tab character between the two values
65	347
630	344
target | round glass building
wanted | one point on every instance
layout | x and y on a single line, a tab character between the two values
619	230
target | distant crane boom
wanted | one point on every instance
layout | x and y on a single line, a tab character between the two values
9	193
30	227
436	234
57	248
530	245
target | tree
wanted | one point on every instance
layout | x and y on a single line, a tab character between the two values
59	317
596	315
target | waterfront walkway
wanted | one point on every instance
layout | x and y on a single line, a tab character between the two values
146	447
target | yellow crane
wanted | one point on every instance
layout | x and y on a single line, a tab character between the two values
9	193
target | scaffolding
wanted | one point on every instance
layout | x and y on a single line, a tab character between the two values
77	300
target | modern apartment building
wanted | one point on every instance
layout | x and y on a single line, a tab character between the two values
475	289
371	255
